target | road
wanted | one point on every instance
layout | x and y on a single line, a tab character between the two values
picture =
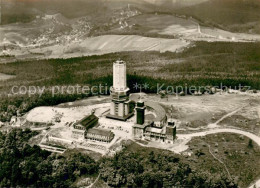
252	136
183	139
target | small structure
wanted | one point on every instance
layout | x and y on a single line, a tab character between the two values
100	135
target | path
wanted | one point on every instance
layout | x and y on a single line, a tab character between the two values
94	181
220	162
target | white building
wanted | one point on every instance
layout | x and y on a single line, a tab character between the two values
119	108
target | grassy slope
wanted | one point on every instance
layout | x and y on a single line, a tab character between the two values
26	10
233	15
241	160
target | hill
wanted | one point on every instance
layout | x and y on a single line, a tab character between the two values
232	15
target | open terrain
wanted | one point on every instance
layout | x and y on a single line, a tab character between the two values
229	153
176	26
168	42
98	46
218	148
59	35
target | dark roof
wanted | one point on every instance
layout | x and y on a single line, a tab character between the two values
101	132
86	121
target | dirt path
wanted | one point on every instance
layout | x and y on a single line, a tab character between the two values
94	182
220	161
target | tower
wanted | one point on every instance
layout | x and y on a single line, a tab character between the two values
171	128
119	106
140	109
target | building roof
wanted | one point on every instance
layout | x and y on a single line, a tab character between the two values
78	130
119	62
86	121
155	130
139	126
101	132
159	110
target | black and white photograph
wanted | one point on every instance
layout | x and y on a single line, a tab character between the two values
129	93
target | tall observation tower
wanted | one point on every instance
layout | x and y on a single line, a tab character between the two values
119	108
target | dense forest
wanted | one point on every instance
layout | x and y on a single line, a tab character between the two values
22	165
156	169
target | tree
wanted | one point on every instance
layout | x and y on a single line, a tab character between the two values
250	144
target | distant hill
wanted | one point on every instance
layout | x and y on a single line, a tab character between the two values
232	15
26	10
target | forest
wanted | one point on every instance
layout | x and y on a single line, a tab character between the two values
23	165
202	64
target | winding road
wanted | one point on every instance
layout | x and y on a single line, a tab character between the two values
183	139
187	137
252	136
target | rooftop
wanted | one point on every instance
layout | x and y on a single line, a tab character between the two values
159	110
101	132
155	130
119	62
87	120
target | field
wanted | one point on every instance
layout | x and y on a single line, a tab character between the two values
97	46
161	24
170	25
239	111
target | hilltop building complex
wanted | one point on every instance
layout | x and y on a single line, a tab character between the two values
150	122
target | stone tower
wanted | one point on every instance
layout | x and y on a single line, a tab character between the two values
119	107
140	110
171	128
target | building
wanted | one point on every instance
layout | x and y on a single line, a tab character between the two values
140	111
83	125
158	128
170	131
85	129
78	134
161	119
99	135
120	104
86	123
